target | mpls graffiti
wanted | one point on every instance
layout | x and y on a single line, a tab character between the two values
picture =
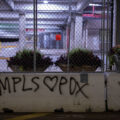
10	84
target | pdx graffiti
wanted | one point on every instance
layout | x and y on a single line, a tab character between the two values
10	84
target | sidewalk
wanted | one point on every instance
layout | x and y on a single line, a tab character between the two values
60	116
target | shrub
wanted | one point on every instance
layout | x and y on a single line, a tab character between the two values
80	57
112	52
25	60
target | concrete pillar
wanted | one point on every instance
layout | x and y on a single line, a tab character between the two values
85	38
41	40
85	34
116	23
52	39
72	35
79	43
64	39
46	40
67	37
22	31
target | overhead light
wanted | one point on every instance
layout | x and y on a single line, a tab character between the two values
45	2
91	4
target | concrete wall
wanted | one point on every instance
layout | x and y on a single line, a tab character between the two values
26	92
114	91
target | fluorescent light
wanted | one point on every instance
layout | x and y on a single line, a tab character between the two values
45	2
91	4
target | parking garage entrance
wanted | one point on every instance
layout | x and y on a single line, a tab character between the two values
71	33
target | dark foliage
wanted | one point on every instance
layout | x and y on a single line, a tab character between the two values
25	59
80	57
113	51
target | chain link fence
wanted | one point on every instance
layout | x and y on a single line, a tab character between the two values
55	35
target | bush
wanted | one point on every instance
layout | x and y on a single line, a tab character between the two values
25	60
80	57
113	51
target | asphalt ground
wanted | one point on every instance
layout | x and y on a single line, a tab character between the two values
60	116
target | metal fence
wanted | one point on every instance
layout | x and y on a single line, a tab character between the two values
55	35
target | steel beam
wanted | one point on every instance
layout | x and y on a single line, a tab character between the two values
49	1
31	19
10	3
50	23
82	5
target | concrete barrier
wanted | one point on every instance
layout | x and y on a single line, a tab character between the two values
47	92
114	91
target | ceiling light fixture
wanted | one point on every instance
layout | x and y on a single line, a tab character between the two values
91	4
45	2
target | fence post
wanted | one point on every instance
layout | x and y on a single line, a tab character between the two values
35	33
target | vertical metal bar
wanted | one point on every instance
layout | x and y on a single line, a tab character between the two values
68	49
35	33
103	33
68	35
107	45
111	34
114	22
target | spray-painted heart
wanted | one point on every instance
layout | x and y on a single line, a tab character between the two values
50	82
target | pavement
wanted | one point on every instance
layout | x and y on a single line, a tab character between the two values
60	116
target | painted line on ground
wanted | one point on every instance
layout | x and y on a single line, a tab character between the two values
5	58
10	46
29	116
